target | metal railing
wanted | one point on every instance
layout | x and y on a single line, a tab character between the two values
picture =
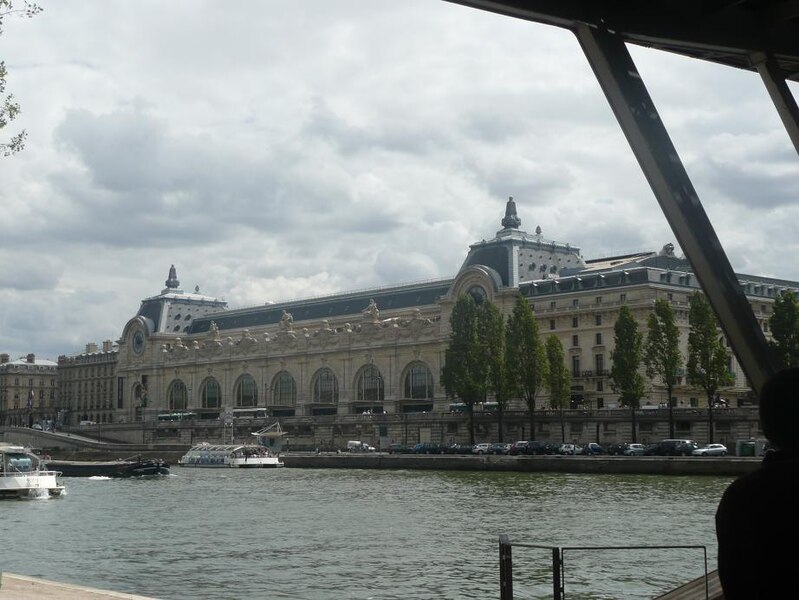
558	563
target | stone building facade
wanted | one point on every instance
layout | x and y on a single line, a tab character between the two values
28	388
87	385
382	351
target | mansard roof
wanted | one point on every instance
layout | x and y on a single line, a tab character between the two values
403	297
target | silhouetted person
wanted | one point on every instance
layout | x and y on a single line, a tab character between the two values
757	521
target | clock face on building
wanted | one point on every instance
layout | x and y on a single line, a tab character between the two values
138	342
478	294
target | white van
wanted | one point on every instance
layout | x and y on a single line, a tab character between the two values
357	446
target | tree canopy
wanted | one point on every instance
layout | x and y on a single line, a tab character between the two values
625	378
784	325
662	355
465	371
708	359
526	358
9	108
558	379
491	339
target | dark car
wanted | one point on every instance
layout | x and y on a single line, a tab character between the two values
617	448
459	449
520	447
399	449
428	448
671	447
498	448
539	447
592	448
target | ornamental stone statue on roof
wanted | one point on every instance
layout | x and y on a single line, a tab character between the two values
511	220
371	313
286	321
172	281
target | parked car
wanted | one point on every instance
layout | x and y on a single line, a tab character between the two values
567	449
634	450
592	448
481	448
543	448
519	447
617	448
498	448
672	447
36	426
428	448
711	450
459	449
399	449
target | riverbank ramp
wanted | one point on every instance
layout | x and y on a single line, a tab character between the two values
22	587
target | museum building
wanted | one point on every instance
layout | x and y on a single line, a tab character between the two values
382	351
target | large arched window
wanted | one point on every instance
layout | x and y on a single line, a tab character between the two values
177	395
211	394
418	382
246	392
325	387
284	390
370	385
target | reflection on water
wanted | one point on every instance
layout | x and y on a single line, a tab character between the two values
363	534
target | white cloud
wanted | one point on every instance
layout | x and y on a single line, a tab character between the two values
278	149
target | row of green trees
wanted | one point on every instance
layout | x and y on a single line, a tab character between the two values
707	366
489	356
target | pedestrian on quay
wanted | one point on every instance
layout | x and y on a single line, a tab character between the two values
757	523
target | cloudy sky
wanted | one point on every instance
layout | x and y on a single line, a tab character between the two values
275	149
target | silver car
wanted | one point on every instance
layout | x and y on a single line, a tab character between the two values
711	450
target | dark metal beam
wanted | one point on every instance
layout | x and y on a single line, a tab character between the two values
774	80
650	142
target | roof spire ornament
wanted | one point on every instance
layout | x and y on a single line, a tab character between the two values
172	281
511	220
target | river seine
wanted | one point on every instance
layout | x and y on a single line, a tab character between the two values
362	534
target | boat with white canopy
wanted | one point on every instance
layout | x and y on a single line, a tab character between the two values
264	453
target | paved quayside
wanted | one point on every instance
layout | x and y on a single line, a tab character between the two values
22	587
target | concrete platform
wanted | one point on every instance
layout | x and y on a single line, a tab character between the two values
22	587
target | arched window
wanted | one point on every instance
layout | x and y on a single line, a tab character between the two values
246	392
418	382
284	390
325	387
211	394
370	385
177	395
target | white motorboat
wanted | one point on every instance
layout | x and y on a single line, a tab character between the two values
230	455
23	474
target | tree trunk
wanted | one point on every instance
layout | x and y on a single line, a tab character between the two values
531	408
470	421
499	422
632	422
671	412
710	398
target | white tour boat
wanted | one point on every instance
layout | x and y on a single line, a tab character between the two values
263	454
23	474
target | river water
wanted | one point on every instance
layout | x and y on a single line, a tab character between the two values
220	534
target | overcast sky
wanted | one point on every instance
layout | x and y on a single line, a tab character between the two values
289	148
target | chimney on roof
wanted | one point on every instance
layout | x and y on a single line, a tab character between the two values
31	358
91	347
4	358
108	345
